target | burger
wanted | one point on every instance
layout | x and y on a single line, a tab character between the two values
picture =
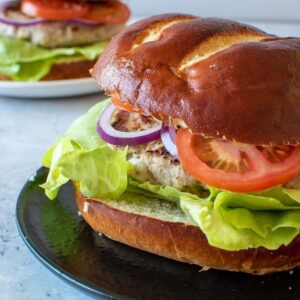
196	156
57	39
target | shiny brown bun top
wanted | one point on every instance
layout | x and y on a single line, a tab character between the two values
217	77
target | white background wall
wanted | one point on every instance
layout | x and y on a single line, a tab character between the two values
281	17
266	10
262	10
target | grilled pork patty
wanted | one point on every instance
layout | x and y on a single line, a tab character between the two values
151	162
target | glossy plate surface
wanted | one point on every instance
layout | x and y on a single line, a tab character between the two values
61	240
49	89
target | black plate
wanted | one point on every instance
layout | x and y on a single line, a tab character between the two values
59	238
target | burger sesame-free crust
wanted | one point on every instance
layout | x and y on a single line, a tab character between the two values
217	77
181	240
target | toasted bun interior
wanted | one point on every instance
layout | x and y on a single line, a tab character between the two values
160	227
220	78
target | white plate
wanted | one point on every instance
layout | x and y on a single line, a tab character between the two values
49	89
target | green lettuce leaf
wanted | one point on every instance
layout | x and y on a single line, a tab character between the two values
52	160
230	221
234	221
101	172
24	61
84	129
82	156
9	70
165	192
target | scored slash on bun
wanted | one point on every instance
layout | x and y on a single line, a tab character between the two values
178	239
217	77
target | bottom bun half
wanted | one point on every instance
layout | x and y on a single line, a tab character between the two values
63	71
150	229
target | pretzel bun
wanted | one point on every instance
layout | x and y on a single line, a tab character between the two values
217	77
63	71
165	232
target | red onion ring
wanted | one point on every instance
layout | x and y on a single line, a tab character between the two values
9	21
121	138
167	140
172	133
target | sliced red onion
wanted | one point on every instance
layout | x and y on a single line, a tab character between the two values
36	21
121	138
8	21
167	140
172	133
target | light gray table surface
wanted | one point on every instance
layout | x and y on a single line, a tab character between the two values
27	129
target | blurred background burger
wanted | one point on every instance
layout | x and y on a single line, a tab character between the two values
57	39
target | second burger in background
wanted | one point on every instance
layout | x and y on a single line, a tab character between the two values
57	39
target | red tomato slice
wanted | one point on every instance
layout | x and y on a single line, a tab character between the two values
235	166
55	9
108	12
124	105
